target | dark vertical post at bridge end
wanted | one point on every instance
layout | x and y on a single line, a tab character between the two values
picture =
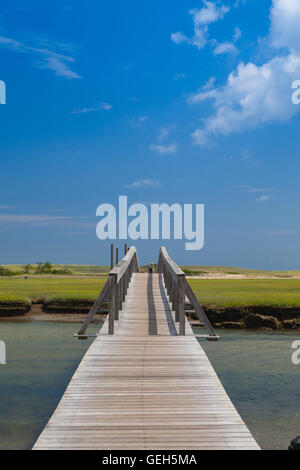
111	256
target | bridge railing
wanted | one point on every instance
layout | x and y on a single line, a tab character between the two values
115	290
178	288
119	278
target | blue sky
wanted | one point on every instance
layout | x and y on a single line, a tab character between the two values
171	101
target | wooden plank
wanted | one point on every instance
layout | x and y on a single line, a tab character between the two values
139	390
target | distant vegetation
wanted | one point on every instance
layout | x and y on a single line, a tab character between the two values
47	268
6	272
214	270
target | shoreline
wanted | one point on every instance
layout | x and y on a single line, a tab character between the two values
249	317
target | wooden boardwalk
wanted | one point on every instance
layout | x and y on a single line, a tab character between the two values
145	387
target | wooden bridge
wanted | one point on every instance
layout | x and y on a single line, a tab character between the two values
145	382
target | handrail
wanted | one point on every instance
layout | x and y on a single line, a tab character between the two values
177	288
173	277
119	278
115	289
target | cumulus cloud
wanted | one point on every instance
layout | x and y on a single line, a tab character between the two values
225	48
254	95
164	149
210	13
285	31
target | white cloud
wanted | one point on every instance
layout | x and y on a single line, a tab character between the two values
178	38
225	48
54	59
24	218
253	189
255	95
164	133
165	149
237	34
262	198
46	220
285	18
210	13
5	207
209	84
101	107
143	182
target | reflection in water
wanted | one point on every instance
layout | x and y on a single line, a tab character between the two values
254	367
258	375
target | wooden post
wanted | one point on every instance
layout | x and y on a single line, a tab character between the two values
181	301
124	287
113	304
173	295
117	255
177	313
125	249
120	295
111	256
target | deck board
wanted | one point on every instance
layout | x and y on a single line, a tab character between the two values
145	387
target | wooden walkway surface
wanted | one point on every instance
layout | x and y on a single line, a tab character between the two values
145	387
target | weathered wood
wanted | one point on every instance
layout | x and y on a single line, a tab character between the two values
177	288
129	258
198	309
94	309
111	256
136	390
113	304
181	298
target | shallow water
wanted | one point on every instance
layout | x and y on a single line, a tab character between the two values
254	367
257	372
41	359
